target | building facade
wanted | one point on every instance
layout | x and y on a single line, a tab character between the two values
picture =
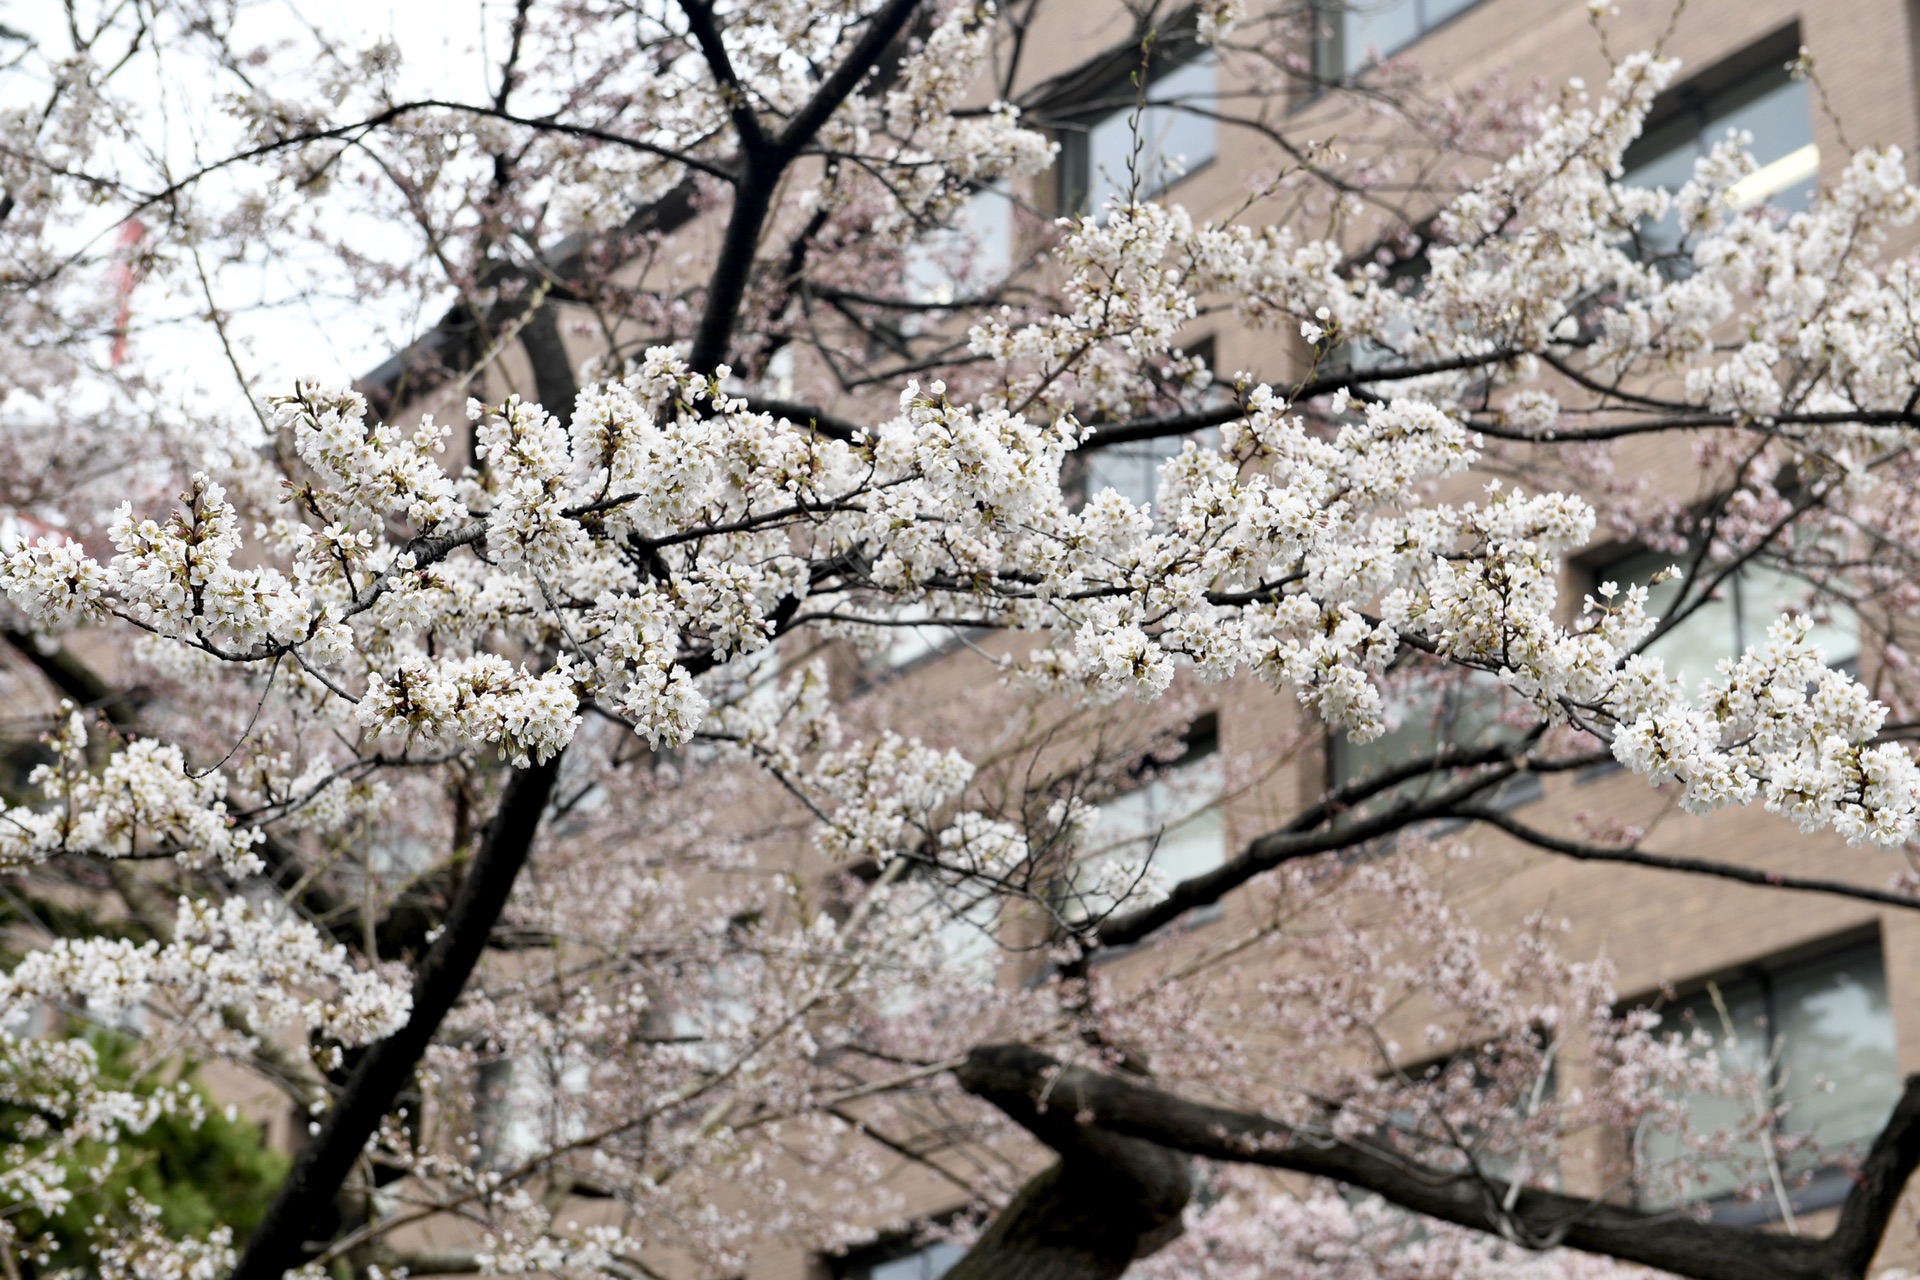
1820	995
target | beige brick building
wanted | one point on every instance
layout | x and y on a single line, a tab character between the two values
1816	984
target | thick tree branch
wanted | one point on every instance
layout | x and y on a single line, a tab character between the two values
1019	1080
760	170
713	48
553	378
1107	435
881	32
1108	1202
280	1242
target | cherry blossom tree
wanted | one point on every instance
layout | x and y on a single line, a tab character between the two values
398	756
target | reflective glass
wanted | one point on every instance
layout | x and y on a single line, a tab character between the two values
1177	140
1664	159
1164	832
1740	1039
929	1263
1766	593
1774	109
1834	1028
1173	141
1781	122
1424	719
1735	619
1374	29
1133	470
1816	1035
970	257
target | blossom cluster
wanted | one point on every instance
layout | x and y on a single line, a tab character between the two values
144	801
407	597
275	972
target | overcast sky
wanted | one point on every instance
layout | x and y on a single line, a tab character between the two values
277	337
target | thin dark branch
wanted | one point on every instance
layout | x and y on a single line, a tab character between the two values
1582	851
1279	847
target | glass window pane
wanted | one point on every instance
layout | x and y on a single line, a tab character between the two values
1736	619
907	1268
1413	731
1192	830
1176	141
1694	648
1744	1051
1152	837
929	1263
1398	333
1133	470
1664	155
1109	153
1665	161
941	1258
1820	1034
1426	718
1774	109
1171	142
1766	593
1435	12
1779	116
969	257
1374	29
906	645
968	946
1833	1025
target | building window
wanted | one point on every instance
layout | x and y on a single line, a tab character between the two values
967	258
1733	619
898	1262
1166	830
1816	1038
527	1105
712	1010
1438	1121
1356	35
1107	156
1132	469
1688	123
1394	345
1450	710
907	645
962	915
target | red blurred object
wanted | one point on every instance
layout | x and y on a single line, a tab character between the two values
126	274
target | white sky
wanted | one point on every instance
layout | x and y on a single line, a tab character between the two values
331	339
